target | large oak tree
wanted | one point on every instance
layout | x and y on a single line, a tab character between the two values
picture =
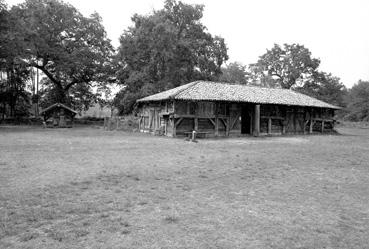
72	50
288	65
165	49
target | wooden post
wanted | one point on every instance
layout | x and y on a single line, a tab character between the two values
174	120
311	121
322	125
294	120
165	126
228	125
257	121
305	122
216	132
196	128
109	124
269	126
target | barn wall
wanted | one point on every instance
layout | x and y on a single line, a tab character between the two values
152	118
180	118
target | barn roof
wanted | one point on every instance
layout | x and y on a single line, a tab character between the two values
58	105
217	91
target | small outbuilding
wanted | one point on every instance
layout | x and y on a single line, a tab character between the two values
59	114
222	109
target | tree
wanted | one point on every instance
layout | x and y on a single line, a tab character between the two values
358	102
70	49
3	28
234	72
13	75
287	65
325	87
165	49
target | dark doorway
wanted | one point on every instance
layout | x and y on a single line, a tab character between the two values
246	120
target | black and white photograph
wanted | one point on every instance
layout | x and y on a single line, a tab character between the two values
184	124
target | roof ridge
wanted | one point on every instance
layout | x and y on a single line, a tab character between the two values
246	85
182	90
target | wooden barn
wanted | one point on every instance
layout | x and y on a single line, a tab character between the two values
220	109
59	114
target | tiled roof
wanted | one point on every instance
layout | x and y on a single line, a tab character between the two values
217	91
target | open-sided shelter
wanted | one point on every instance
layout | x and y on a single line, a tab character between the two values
60	115
221	109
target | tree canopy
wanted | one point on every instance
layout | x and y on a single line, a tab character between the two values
165	49
287	65
13	75
358	102
73	51
326	87
235	72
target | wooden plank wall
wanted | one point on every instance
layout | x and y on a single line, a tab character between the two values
151	118
224	119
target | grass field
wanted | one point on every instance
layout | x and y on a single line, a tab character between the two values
89	188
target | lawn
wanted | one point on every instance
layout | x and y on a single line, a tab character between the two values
89	188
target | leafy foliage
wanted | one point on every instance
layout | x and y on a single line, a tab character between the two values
325	87
70	49
235	72
358	102
166	49
14	99
287	65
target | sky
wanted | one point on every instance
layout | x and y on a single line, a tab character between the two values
335	31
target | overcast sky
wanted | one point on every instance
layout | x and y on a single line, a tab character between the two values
336	32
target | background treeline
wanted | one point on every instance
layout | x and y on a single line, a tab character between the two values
50	52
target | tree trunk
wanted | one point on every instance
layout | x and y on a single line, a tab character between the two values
60	95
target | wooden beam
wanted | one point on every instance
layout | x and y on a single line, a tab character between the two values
305	124
188	104
139	123
228	127
269	126
311	126
251	121
224	122
272	117
235	120
193	116
322	125
216	132
216	126
150	119
256	132
165	127
213	122
283	126
294	120
174	128
177	122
